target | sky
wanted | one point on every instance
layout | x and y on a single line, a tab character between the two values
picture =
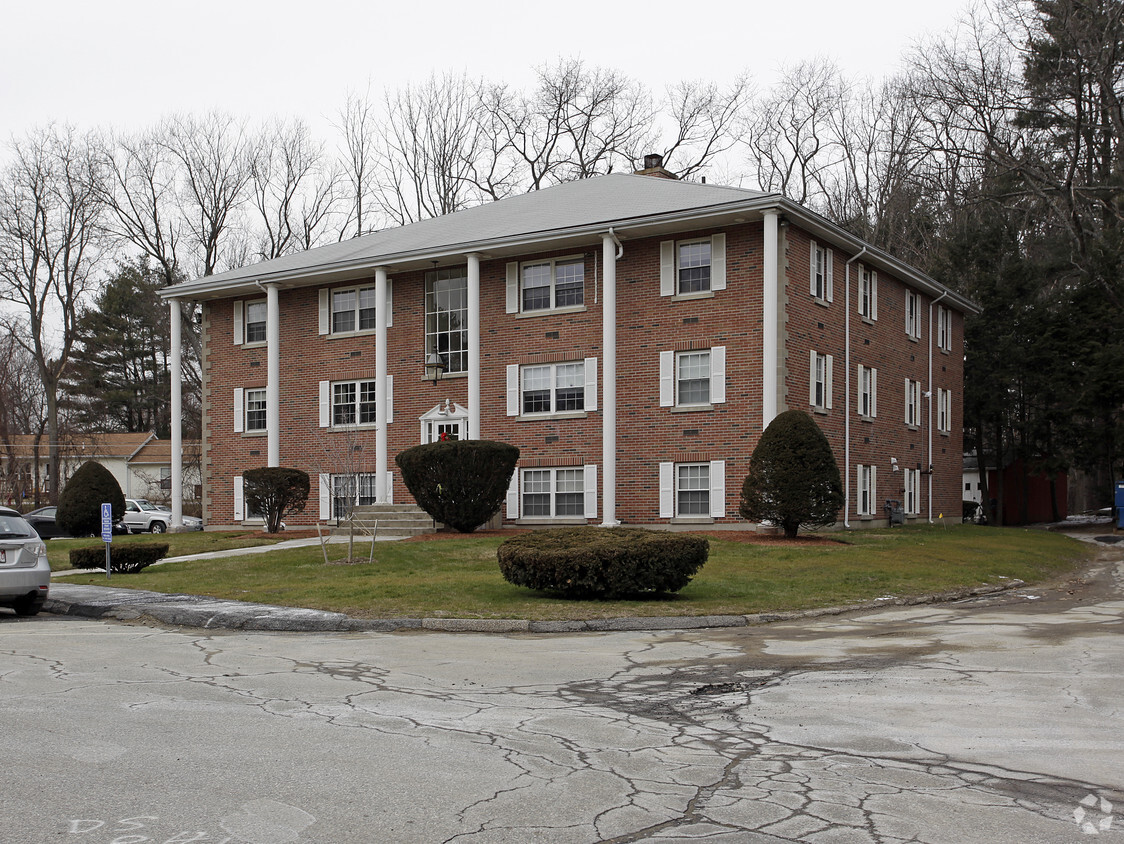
126	63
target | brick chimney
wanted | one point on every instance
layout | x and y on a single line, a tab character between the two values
653	166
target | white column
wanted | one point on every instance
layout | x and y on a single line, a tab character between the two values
769	356
382	462
272	376
174	363
473	346
609	383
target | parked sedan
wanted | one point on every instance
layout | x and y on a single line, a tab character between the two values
45	524
25	574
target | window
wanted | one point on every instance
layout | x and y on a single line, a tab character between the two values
249	410
864	503
819	376
353	403
350	491
255	322
693	266
553	493
868	293
912	403
540	389
690	267
446	317
165	477
944	411
693	489
868	392
912	478
553	388
944	328
821	261
913	314
353	310
694	378
545	285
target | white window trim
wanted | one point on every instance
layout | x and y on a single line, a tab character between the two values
912	402
241	327
515	389
865	474
325	401
668	490
669	382
325	309
589	492
944	328
828	292
327	491
514	292
944	411
669	265
828	377
867	389
912	484
868	276
913	317
246	406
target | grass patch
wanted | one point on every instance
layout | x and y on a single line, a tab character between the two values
459	577
180	544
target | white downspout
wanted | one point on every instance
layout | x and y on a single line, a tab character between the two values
847	387
611	250
932	339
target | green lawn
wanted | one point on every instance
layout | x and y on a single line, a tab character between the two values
459	577
179	544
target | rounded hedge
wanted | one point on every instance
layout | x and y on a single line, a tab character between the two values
459	483
597	562
79	510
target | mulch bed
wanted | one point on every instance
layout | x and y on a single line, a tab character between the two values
747	536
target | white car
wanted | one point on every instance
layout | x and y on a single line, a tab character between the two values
25	574
142	516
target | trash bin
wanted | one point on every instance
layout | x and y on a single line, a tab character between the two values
895	513
1118	501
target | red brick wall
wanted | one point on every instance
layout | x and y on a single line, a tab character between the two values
647	324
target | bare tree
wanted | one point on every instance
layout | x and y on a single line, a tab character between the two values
215	155
358	124
50	239
791	137
294	190
703	121
23	413
428	148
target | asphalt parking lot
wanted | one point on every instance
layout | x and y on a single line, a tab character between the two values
993	719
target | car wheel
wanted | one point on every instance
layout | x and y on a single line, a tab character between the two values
158	527
28	607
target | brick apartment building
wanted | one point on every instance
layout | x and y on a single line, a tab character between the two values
632	335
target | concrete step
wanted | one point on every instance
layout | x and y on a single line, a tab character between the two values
388	520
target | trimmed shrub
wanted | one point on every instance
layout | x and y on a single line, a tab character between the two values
460	483
79	510
597	562
126	559
275	492
793	477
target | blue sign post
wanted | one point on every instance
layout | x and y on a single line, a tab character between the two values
107	534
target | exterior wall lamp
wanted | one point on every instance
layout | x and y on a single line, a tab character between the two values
435	366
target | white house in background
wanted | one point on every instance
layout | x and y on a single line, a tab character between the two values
141	464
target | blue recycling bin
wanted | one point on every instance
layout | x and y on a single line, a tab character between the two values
1119	500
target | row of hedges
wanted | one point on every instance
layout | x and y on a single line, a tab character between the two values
125	559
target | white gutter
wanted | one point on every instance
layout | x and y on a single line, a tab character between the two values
932	339
847	389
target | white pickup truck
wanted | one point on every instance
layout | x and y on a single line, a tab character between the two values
142	516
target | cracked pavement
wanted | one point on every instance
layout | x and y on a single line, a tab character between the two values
988	720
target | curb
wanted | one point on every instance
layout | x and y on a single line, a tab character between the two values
217	614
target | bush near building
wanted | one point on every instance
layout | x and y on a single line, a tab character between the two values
459	483
275	492
793	478
597	562
79	508
125	559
